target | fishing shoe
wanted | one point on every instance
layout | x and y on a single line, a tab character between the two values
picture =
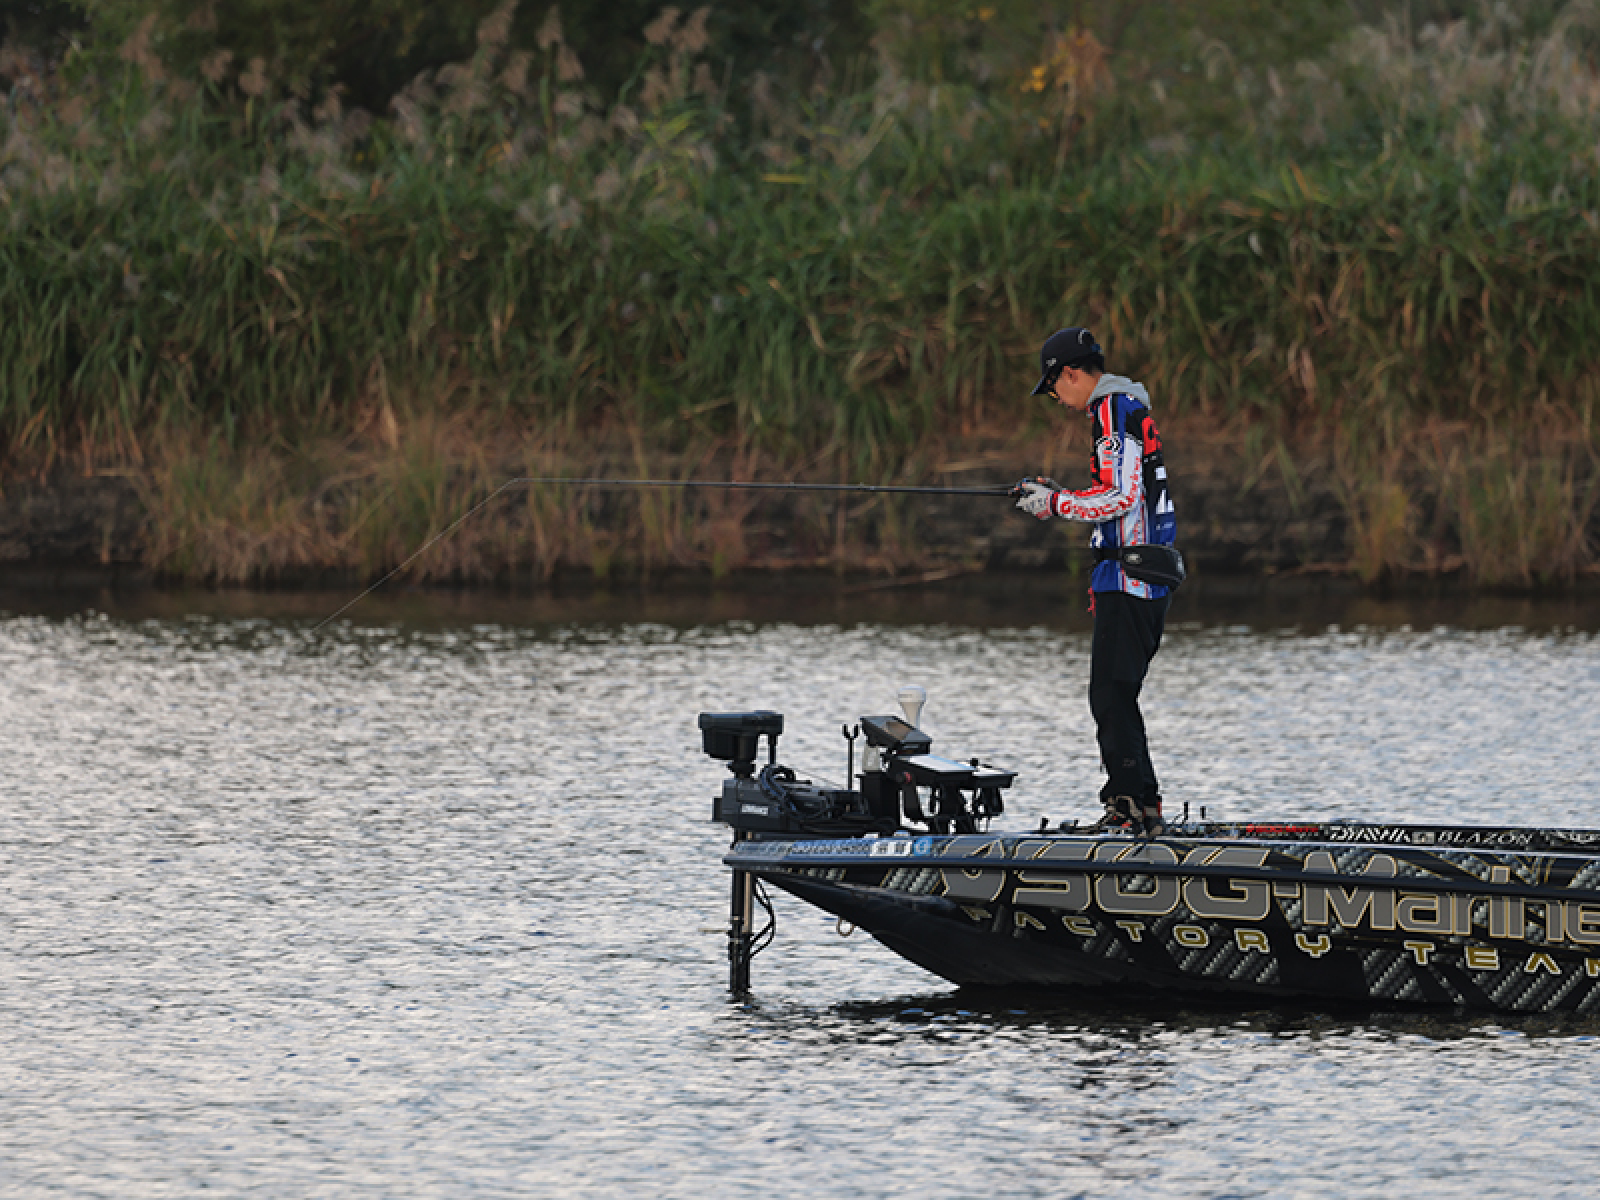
1150	822
1122	812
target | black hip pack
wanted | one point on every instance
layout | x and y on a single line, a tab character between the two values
1159	566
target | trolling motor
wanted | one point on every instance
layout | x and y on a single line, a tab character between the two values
733	738
897	763
775	800
898	769
772	802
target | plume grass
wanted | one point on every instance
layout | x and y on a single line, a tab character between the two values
1405	237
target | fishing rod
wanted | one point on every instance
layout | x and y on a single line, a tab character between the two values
1007	490
720	484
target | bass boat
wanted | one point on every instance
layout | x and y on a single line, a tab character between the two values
1497	919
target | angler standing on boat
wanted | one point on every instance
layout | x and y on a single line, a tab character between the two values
1136	564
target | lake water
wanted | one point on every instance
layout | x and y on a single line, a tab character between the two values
429	905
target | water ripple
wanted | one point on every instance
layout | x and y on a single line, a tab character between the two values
436	910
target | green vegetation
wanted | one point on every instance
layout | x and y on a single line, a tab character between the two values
317	332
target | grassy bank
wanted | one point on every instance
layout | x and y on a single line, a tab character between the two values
316	334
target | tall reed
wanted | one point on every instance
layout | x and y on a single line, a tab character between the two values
1408	235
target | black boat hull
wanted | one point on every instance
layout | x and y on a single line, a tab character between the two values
1494	931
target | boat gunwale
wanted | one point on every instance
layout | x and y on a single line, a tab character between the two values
766	864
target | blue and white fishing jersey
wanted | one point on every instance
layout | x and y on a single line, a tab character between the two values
1127	499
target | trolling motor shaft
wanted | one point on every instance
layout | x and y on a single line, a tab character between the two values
772	803
741	931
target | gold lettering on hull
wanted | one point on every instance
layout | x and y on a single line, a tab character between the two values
1071	892
1583	923
1315	946
1506	918
1482	958
1108	890
1325	903
1250	901
1554	920
1116	886
1251	939
972	883
1428	912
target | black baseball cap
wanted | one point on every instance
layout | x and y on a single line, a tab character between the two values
1063	348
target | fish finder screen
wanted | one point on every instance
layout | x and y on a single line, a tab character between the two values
894	735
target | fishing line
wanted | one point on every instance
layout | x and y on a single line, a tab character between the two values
780	487
444	533
725	485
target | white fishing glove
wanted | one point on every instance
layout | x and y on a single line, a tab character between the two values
1036	497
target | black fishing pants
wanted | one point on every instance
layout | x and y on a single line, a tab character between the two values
1127	634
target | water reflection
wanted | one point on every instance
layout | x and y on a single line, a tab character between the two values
1302	604
431	904
1136	1017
